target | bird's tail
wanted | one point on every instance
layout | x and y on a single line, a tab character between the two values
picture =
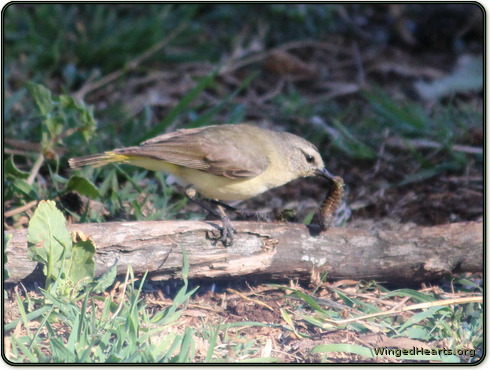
97	160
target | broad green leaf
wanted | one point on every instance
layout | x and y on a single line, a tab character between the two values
24	187
12	171
6	241
86	119
107	279
58	178
82	186
47	237
82	261
42	97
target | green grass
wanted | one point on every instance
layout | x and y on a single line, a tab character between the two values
458	327
98	329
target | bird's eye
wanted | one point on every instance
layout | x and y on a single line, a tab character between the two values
309	158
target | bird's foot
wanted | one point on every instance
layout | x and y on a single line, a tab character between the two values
227	230
226	234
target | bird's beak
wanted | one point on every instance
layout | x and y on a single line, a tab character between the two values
324	173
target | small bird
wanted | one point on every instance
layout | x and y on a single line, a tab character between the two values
221	162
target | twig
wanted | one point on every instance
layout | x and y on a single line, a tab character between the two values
301	44
35	169
418	306
235	64
381	152
121	302
27	148
256	301
397	142
361	78
129	66
21	209
339	89
22	153
23	144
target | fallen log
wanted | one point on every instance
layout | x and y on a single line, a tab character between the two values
273	251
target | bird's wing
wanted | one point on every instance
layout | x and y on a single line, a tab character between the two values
210	149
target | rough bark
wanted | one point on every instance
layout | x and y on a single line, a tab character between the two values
273	251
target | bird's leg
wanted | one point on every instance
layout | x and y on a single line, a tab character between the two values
227	230
245	214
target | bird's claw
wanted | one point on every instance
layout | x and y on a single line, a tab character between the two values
225	234
227	231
